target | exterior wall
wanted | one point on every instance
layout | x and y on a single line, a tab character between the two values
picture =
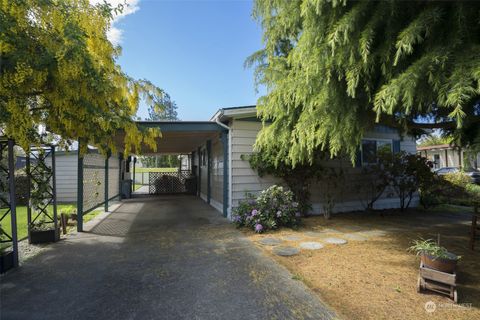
244	179
203	174
217	175
66	176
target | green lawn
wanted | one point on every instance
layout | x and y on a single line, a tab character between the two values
22	217
136	186
139	170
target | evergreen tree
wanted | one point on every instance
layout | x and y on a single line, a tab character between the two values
333	69
58	69
167	111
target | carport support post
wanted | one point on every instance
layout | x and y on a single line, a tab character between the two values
106	181
120	164
225	172
13	204
199	171
209	170
133	180
80	189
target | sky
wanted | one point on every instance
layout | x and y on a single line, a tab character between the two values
194	50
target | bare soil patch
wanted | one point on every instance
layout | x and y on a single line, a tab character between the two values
376	278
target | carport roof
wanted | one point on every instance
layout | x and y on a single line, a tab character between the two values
178	137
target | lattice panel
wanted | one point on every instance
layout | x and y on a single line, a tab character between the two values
167	182
41	173
5	206
93	180
113	177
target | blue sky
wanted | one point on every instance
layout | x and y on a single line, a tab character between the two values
194	50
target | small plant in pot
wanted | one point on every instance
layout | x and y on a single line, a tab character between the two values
6	255
434	256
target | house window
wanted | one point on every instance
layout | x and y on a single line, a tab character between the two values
371	149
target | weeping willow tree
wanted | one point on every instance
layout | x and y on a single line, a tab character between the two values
333	69
59	70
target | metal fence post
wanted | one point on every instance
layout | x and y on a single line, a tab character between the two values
13	203
199	172
120	163
209	170
133	182
54	193
106	182
79	190
29	193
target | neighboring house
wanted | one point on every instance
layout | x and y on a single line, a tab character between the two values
243	129
66	165
445	155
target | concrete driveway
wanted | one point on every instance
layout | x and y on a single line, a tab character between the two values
171	257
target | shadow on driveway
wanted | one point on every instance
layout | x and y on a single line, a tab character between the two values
170	257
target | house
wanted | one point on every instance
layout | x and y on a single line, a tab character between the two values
213	153
224	177
445	155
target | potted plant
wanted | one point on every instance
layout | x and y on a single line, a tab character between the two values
434	256
43	232
6	255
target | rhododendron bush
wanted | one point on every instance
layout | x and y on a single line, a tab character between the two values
272	208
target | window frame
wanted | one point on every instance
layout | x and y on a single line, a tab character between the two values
390	141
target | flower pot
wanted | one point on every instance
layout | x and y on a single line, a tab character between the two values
43	236
447	265
6	261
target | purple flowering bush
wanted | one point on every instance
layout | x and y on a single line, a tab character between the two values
272	208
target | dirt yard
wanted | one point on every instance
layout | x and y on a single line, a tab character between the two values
376	278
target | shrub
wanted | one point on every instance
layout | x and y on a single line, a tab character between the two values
273	208
298	178
408	173
458	179
21	189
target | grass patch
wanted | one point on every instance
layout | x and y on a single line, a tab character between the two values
137	186
89	216
140	170
22	228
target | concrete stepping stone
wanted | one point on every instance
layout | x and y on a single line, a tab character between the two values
374	233
354	237
314	234
353	228
335	241
270	241
292	237
329	230
311	245
286	251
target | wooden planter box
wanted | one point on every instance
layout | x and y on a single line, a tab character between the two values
6	261
43	236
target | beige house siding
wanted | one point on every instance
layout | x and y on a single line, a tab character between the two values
244	179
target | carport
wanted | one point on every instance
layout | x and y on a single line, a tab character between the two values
192	138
